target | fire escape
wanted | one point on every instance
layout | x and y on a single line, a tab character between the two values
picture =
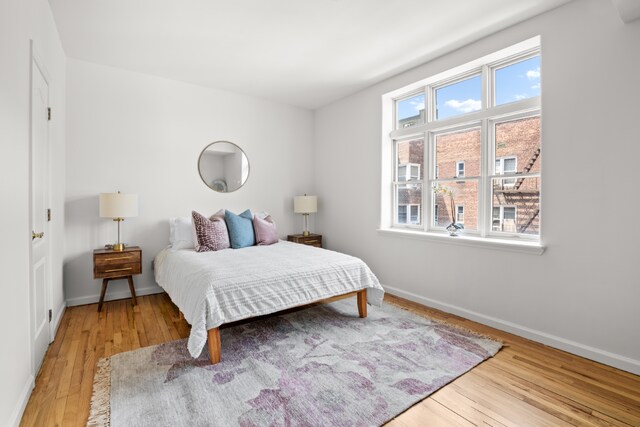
527	199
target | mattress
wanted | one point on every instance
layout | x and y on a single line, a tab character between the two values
213	288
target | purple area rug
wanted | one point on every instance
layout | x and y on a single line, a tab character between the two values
322	366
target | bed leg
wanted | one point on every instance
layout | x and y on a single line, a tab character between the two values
362	303
214	345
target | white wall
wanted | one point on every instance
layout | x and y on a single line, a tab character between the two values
583	293
20	21
142	134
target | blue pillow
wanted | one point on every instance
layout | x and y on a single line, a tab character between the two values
240	227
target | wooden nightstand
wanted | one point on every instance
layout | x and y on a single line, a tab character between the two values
115	265
311	239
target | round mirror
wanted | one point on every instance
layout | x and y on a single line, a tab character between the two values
223	166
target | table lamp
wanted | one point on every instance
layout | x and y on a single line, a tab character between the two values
305	205
118	206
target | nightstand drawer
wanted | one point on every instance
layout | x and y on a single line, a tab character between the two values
310	240
116	270
116	264
313	242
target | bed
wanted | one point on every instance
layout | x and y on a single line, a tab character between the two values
214	288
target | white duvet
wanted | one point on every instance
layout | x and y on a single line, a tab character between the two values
212	288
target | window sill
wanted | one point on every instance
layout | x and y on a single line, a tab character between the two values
528	247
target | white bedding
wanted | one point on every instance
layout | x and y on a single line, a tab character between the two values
212	288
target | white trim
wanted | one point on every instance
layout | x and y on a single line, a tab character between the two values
111	296
55	324
16	416
583	350
510	245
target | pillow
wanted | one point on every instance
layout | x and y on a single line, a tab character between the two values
241	232
180	234
211	235
219	215
265	229
262	215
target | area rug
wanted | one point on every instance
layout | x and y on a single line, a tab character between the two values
322	366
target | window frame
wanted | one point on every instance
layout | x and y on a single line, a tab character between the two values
458	164
486	118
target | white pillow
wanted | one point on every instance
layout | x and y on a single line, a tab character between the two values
181	233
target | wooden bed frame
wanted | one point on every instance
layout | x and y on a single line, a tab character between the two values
213	341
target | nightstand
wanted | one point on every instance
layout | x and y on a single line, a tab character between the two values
311	239
116	265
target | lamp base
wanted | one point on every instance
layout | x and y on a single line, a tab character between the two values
118	247
306	233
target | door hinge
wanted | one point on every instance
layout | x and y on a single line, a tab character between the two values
49	214
49	113
50	315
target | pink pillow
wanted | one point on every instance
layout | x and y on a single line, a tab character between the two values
265	229
211	234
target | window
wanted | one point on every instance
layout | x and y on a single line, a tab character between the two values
414	214
472	152
402	214
460	214
409	212
507	165
458	98
408	172
504	219
410	111
518	81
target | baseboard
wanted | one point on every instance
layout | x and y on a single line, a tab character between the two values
92	299
58	319
16	417
592	353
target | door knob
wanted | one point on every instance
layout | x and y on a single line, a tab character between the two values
35	235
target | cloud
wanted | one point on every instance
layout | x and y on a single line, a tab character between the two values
419	106
535	86
533	74
519	96
464	106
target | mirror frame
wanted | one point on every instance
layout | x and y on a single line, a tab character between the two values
243	153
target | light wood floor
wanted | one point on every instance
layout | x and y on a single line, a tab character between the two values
525	384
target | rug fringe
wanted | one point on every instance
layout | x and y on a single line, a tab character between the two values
100	413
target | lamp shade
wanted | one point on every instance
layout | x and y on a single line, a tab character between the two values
118	205
305	204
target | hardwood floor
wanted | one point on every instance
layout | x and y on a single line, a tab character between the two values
525	384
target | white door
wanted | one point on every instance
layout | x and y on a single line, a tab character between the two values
39	292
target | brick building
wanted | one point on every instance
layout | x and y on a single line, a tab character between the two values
515	201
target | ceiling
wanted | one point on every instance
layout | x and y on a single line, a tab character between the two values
306	53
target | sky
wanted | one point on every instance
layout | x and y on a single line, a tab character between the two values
513	83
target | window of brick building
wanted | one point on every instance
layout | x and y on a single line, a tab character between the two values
409	214
474	131
460	214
